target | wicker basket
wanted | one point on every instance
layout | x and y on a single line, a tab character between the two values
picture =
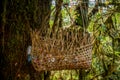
59	53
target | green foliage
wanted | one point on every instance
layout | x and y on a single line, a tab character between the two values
66	1
79	19
106	49
64	75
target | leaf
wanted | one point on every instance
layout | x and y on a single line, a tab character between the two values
103	27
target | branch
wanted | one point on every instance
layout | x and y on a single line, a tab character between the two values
97	4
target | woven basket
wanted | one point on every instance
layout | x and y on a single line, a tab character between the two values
54	53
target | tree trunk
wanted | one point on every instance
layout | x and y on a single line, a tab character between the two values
18	16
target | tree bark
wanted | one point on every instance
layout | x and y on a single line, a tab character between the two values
18	17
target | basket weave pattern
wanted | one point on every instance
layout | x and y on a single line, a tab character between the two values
61	51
